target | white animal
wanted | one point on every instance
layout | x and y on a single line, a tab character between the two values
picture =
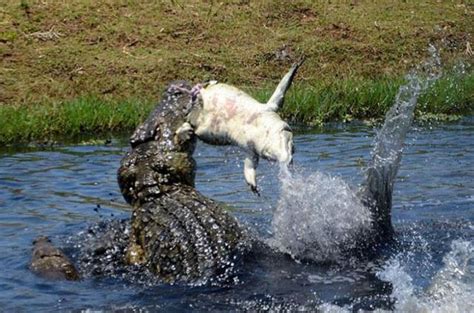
229	116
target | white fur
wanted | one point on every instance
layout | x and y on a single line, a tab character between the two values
229	116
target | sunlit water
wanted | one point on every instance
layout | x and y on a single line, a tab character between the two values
61	191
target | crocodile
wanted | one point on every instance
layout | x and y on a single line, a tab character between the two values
176	232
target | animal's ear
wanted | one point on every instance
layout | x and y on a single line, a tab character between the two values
276	100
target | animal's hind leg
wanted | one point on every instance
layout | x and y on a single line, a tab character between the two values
276	100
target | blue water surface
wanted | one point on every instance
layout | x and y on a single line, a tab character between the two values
60	191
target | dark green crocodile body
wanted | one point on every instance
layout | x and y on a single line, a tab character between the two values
178	233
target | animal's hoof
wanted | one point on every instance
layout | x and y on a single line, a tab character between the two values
255	190
184	133
300	61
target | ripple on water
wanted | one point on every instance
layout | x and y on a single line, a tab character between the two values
56	193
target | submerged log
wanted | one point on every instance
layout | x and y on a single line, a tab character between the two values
178	233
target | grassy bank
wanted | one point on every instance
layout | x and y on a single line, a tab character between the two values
87	66
84	115
340	101
345	100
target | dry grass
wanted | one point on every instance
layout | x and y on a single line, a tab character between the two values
57	50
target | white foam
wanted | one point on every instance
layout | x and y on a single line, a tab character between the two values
316	216
451	289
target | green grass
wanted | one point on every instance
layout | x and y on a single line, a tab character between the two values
453	94
346	100
309	104
337	101
69	119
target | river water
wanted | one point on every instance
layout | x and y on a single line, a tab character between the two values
61	191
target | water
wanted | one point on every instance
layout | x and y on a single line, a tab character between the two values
62	191
318	218
321	218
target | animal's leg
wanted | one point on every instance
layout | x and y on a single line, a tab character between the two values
276	100
183	133
250	165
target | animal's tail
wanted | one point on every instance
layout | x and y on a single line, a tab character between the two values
386	156
387	153
276	100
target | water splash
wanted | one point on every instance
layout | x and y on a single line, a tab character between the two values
99	252
451	289
389	142
319	216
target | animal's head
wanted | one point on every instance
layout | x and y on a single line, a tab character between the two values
276	140
279	146
166	121
162	148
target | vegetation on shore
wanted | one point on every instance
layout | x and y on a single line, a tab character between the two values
342	101
69	67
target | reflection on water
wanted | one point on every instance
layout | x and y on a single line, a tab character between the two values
61	191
